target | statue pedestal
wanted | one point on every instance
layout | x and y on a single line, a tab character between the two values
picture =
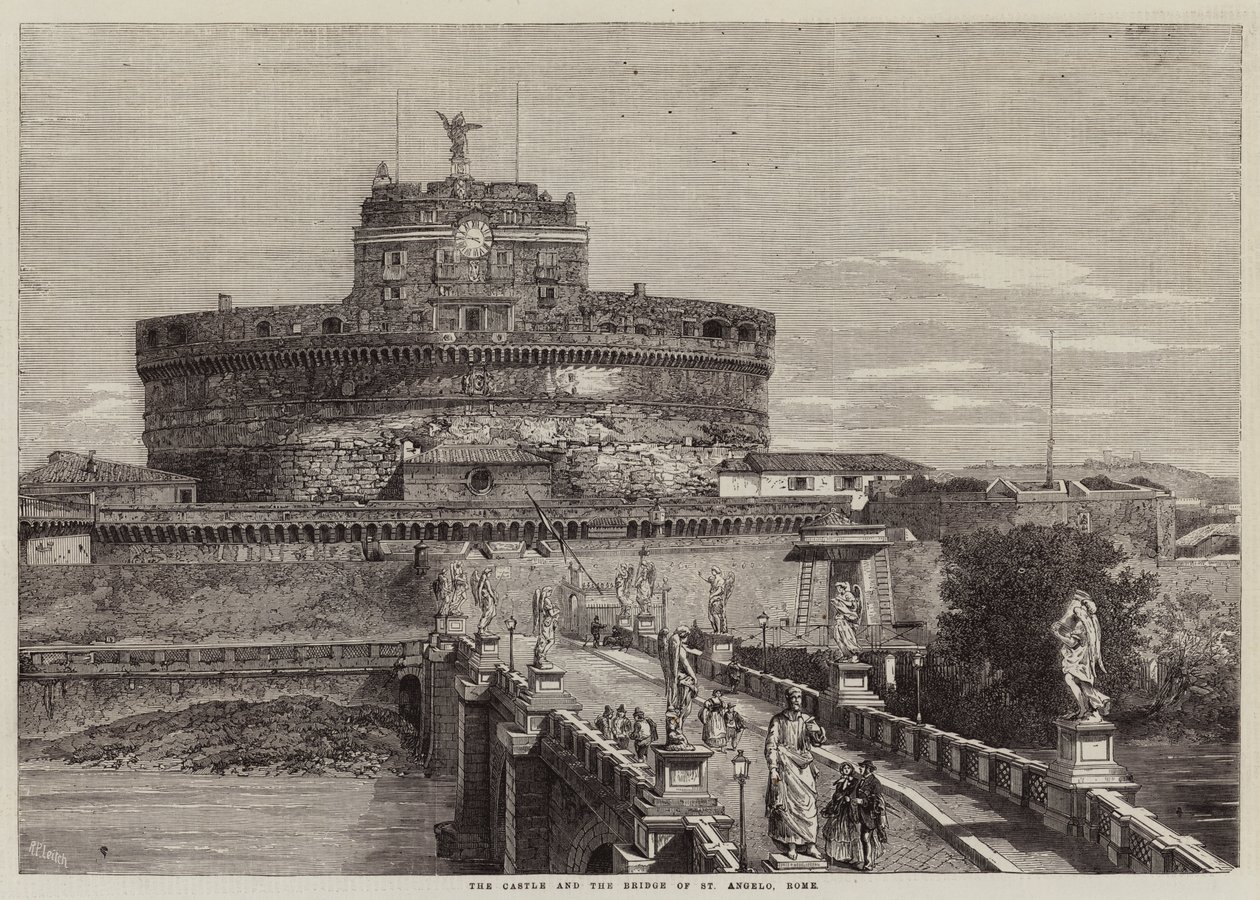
448	631
487	645
645	623
722	648
779	863
1086	760
545	681
850	686
624	622
479	657
681	791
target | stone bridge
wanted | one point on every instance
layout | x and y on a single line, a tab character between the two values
539	790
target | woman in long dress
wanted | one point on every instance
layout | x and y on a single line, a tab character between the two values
839	838
712	716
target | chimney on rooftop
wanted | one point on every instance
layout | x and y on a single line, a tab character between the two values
640	289
91	462
225	303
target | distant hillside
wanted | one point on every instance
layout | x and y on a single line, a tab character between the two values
1183	482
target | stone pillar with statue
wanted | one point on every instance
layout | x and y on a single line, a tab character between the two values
1086	740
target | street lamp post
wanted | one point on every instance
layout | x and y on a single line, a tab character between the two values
742	764
763	620
918	687
511	627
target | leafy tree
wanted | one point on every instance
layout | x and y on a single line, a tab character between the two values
917	484
1002	592
1197	645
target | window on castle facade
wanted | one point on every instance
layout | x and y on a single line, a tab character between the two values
689	328
548	265
394	293
501	264
547	293
642	329
805	483
447	264
848	482
263	329
748	333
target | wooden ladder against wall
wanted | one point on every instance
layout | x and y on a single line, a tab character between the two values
804	593
883	587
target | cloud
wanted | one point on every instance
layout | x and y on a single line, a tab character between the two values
950	402
110	387
109	408
815	400
932	368
1164	297
1094	343
997	271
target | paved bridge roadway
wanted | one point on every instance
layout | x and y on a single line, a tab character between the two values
1010	838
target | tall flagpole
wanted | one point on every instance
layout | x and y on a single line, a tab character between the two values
397	140
1050	441
518	132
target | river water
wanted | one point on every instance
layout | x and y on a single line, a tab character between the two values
1191	788
175	823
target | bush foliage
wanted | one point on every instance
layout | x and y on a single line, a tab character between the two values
917	484
1001	593
799	664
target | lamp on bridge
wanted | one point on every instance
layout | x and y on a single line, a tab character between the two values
419	565
918	686
742	764
764	621
511	627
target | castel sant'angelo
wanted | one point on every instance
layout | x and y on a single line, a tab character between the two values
470	338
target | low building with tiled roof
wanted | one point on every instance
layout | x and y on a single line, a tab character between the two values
1219	539
768	474
115	484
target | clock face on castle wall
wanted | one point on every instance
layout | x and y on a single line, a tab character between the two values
473	237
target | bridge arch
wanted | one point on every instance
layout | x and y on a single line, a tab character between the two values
588	848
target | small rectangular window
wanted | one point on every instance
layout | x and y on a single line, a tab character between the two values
797	483
546	293
689	328
395	293
501	265
548	265
848	483
447	318
297	328
185	496
447	264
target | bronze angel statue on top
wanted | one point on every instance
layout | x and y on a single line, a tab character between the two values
457	130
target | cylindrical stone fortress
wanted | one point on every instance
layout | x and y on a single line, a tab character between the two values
470	322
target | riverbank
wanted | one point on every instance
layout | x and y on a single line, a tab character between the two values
286	736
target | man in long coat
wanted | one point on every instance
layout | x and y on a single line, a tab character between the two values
791	789
870	815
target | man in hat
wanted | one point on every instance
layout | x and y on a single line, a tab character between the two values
790	791
621	728
604	723
734	724
870	815
642	733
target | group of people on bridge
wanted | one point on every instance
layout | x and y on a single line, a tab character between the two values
637	733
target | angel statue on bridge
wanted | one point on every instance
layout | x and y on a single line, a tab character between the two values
622	586
1080	655
681	683
487	602
450	589
546	617
846	611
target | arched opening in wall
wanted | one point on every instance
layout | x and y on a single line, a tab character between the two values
251	536
691	528
308	533
238	537
500	532
586	531
529	533
429	531
152	338
293	534
601	861
726	526
262	329
206	534
703	528
514	531
176	335
325	534
476	532
669	529
444	532
148	535
409	694
713	328
747	332
416	531
607	328
332	325
224	536
372	532
573	530
387	532
265	533
340	533
356	532
632	530
737	527
457	533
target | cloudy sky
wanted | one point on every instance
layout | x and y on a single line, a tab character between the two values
919	206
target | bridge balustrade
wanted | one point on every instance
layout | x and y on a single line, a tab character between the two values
1135	839
709	852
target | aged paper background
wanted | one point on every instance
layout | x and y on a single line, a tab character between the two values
1241	883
